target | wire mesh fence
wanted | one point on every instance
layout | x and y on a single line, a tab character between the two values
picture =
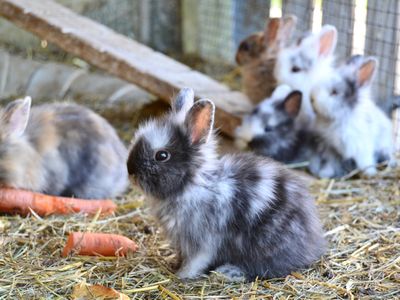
213	29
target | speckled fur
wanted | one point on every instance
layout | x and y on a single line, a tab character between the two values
65	150
239	214
270	131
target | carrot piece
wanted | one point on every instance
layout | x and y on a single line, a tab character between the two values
100	244
16	201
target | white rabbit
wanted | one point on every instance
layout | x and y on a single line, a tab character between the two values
304	64
349	119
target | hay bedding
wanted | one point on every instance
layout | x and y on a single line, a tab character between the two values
361	218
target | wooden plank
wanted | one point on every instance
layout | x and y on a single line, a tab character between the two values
117	54
340	13
302	9
382	41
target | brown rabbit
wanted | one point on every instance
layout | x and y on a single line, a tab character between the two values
60	149
257	54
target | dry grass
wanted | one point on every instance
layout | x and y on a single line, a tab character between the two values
361	218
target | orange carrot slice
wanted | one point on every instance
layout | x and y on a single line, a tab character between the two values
98	244
16	201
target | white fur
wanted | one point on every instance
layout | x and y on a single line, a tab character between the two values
355	132
157	136
197	264
252	125
321	66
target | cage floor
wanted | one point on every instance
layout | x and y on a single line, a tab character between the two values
361	219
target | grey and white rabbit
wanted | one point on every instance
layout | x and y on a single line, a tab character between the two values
60	149
241	215
349	118
270	131
304	64
256	56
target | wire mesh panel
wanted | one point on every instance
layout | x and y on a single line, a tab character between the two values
115	14
382	41
303	9
250	16
212	29
340	13
216	39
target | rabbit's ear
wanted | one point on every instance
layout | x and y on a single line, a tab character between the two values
16	117
327	40
278	32
183	102
292	103
200	120
366	72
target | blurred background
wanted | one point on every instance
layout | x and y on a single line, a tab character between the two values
203	34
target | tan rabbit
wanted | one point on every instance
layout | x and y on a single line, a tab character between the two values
60	149
257	54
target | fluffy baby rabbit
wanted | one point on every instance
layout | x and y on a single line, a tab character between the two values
257	54
304	64
270	131
242	215
350	120
60	149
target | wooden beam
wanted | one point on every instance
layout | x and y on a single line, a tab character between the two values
123	57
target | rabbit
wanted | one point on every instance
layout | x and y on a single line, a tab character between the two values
349	119
256	56
241	215
304	64
270	131
60	149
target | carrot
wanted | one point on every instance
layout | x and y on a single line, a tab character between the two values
20	201
101	244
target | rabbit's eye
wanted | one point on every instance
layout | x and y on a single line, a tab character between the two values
255	111
295	69
244	46
268	128
162	156
334	92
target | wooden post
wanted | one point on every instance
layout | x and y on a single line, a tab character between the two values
303	9
341	15
382	41
123	57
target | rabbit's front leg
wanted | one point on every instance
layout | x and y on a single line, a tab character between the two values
195	266
366	163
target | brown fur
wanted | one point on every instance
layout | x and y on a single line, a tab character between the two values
257	54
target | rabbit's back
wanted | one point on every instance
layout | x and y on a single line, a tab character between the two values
81	153
273	226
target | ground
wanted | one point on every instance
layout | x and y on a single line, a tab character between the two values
361	219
